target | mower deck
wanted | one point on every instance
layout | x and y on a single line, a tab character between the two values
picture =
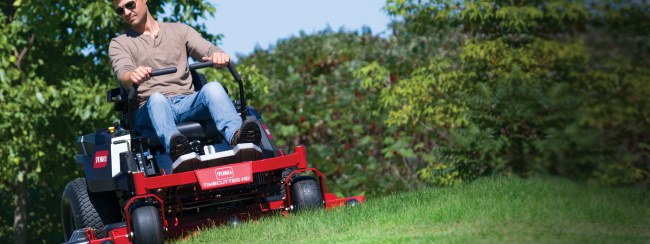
211	179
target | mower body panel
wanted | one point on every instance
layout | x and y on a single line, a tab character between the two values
104	159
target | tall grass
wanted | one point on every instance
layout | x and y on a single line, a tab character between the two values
489	210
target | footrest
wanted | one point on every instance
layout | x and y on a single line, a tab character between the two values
241	153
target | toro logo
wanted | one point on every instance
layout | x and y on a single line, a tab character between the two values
224	173
233	174
101	159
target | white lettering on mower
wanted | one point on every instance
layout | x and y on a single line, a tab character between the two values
233	174
224	173
101	158
226	182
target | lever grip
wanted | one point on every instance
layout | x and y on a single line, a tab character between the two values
200	65
163	71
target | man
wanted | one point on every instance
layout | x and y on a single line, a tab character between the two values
170	99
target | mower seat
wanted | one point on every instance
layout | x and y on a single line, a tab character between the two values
192	130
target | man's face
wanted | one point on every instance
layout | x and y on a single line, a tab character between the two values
132	11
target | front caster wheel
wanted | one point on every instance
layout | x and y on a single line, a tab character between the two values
147	225
306	194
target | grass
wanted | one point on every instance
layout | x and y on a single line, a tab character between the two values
489	210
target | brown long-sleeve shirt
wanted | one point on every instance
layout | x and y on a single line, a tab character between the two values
171	47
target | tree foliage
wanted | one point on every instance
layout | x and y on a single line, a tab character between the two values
539	87
54	73
321	94
315	100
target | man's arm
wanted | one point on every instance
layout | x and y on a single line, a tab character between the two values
200	49
124	67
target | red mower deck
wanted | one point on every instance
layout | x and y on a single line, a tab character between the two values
176	227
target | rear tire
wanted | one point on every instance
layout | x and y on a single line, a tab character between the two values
306	194
147	225
81	208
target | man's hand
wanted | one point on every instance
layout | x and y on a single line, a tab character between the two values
137	76
219	60
140	74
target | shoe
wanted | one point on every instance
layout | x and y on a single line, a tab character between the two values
179	145
250	132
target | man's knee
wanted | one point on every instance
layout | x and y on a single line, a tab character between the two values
157	99
214	89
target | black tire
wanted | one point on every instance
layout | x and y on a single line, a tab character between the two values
147	225
306	194
352	202
81	208
285	174
277	191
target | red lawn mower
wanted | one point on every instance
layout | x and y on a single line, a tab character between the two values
133	193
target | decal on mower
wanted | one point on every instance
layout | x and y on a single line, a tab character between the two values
224	173
233	174
268	132
101	158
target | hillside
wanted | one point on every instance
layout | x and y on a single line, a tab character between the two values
490	210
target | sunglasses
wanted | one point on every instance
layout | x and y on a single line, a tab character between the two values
120	10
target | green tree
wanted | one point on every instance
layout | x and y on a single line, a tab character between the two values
316	97
54	73
540	86
314	100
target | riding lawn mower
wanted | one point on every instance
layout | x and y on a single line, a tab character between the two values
132	192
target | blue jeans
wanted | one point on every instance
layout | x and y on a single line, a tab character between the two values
161	114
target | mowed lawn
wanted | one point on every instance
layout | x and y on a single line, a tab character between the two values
489	210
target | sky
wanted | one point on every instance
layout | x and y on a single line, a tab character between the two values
247	23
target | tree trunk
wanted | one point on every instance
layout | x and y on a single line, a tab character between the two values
20	214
